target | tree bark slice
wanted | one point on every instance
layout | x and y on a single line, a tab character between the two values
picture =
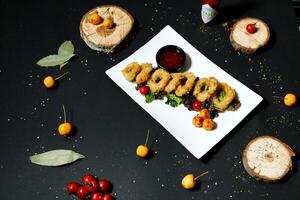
249	42
267	158
99	38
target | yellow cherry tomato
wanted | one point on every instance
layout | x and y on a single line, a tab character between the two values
197	121
65	129
49	82
108	23
208	124
204	113
142	151
290	99
188	182
95	19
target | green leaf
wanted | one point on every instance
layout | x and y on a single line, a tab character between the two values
173	100
149	97
56	157
54	60
62	65
66	48
65	53
222	95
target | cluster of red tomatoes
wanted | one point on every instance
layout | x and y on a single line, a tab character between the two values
91	188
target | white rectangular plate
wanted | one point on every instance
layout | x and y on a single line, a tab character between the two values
178	121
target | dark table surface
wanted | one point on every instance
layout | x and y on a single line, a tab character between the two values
110	124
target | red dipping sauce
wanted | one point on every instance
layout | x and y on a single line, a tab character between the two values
171	59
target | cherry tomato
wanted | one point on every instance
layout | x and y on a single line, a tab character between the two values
92	186
250	28
208	124
144	90
82	192
204	113
107	197
105	186
197	121
196	105
96	196
72	187
86	179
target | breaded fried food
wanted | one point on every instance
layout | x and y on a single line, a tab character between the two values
145	74
205	88
131	71
223	97
174	82
186	84
158	80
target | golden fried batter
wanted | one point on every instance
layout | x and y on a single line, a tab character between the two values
145	74
174	83
223	97
131	71
189	81
205	88
159	80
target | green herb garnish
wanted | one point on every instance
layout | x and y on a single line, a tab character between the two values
205	104
149	97
65	53
222	95
173	100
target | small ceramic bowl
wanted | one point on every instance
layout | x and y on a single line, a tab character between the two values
171	58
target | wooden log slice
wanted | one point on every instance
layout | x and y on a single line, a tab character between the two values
267	158
100	38
249	42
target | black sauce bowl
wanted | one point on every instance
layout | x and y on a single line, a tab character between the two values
166	48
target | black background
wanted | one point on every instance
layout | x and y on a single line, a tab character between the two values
110	124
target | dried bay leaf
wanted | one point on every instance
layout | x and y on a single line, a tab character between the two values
66	48
65	53
56	157
54	60
62	65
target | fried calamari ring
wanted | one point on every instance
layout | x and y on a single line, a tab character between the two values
131	71
205	88
223	97
174	83
159	80
145	74
186	85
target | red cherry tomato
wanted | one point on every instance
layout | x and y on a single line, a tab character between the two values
107	197
250	28
96	196
105	186
86	179
72	187
144	90
196	105
82	192
92	186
